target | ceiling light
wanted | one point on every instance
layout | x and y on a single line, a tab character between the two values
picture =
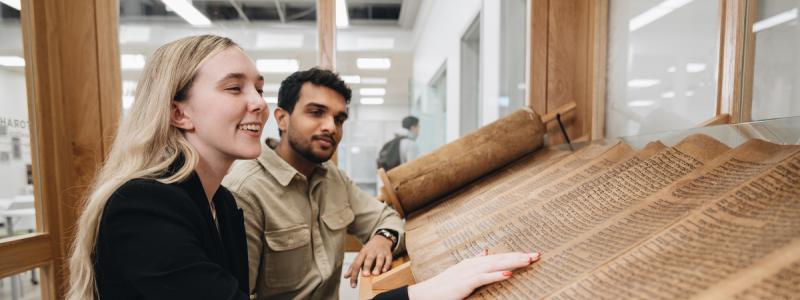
374	63
132	61
373	80
672	69
695	67
188	12
641	103
12	61
655	13
13	3
372	91
689	93
668	95
637	83
271	99
775	20
372	100
351	79
342	20
272	87
277	65
355	150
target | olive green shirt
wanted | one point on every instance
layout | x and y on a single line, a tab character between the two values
296	227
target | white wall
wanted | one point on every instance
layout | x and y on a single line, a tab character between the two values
14	103
437	33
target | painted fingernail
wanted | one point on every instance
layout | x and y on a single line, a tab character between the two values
534	257
507	273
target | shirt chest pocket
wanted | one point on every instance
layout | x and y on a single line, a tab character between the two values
288	258
339	219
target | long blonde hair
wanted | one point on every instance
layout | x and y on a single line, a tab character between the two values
145	146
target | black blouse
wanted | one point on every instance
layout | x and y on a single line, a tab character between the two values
158	241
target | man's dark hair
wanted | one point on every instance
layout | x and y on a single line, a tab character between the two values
290	87
410	121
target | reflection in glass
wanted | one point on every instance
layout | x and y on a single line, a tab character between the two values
662	62
776	61
17	212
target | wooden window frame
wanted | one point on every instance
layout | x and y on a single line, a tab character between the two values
73	87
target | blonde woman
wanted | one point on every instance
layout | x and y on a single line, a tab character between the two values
158	225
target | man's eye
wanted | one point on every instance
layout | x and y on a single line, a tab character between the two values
234	88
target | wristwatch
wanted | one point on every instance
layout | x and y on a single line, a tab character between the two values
389	234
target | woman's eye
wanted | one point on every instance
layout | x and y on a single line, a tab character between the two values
234	89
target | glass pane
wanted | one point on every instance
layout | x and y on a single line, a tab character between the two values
511	94
662	62
374	56
17	212
776	61
21	286
281	36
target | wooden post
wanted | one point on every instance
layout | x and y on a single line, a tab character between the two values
326	30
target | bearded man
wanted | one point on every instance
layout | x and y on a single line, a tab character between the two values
298	206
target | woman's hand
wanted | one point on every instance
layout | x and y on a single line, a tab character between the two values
458	281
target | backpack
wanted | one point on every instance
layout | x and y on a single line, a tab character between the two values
389	157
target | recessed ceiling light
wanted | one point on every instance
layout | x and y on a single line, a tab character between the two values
372	91
351	79
643	82
695	67
374	80
277	65
655	13
372	100
641	103
188	12
775	20
374	63
672	69
668	95
131	61
12	61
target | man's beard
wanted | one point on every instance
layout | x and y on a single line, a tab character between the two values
306	152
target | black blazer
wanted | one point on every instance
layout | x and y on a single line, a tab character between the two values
158	241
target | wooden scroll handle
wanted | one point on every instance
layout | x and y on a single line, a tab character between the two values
389	195
564	109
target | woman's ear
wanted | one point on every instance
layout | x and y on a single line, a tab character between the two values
179	118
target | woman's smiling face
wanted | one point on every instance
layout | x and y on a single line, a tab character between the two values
224	111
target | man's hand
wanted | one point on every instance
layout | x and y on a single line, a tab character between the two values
375	256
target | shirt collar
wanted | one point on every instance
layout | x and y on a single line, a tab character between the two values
281	170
